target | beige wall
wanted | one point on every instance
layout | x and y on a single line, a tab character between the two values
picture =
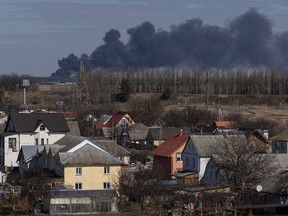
177	165
92	177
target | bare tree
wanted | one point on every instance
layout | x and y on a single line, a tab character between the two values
145	110
239	164
142	188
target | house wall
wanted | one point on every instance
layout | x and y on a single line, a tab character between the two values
177	165
279	147
10	155
203	165
211	175
92	177
190	157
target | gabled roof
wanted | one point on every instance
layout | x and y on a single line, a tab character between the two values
111	146
82	150
116	118
30	151
204	144
165	132
138	131
171	145
70	115
89	155
26	122
103	119
226	124
283	136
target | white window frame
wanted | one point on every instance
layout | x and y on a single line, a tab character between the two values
107	170
78	171
12	141
78	186
178	157
106	185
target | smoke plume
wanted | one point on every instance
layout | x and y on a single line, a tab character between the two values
248	41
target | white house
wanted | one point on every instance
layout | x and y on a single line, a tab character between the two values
198	152
29	129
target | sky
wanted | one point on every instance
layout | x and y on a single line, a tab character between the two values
35	34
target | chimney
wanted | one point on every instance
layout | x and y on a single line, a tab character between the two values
266	133
180	132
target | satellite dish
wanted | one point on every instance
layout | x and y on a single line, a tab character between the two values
259	188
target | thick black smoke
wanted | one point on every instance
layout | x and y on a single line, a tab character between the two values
248	41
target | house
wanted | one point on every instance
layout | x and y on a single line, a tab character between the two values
137	137
111	126
29	129
90	118
280	142
85	174
81	163
260	138
168	156
224	127
198	151
157	135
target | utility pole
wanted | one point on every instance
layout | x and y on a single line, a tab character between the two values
83	97
207	89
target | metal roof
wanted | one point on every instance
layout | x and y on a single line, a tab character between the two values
171	145
30	151
137	132
89	155
205	144
283	136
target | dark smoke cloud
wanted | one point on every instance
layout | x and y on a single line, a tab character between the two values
248	41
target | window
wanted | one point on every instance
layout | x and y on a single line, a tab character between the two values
78	186
178	157
106	185
47	141
107	170
42	141
78	170
194	162
12	144
187	161
36	141
42	127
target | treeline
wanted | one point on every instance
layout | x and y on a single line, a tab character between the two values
189	81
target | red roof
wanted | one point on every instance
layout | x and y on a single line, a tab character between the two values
114	120
226	124
171	145
70	115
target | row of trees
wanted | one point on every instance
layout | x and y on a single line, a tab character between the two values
190	81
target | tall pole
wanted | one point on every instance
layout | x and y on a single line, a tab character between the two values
24	96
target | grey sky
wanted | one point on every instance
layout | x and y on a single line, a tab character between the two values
34	34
